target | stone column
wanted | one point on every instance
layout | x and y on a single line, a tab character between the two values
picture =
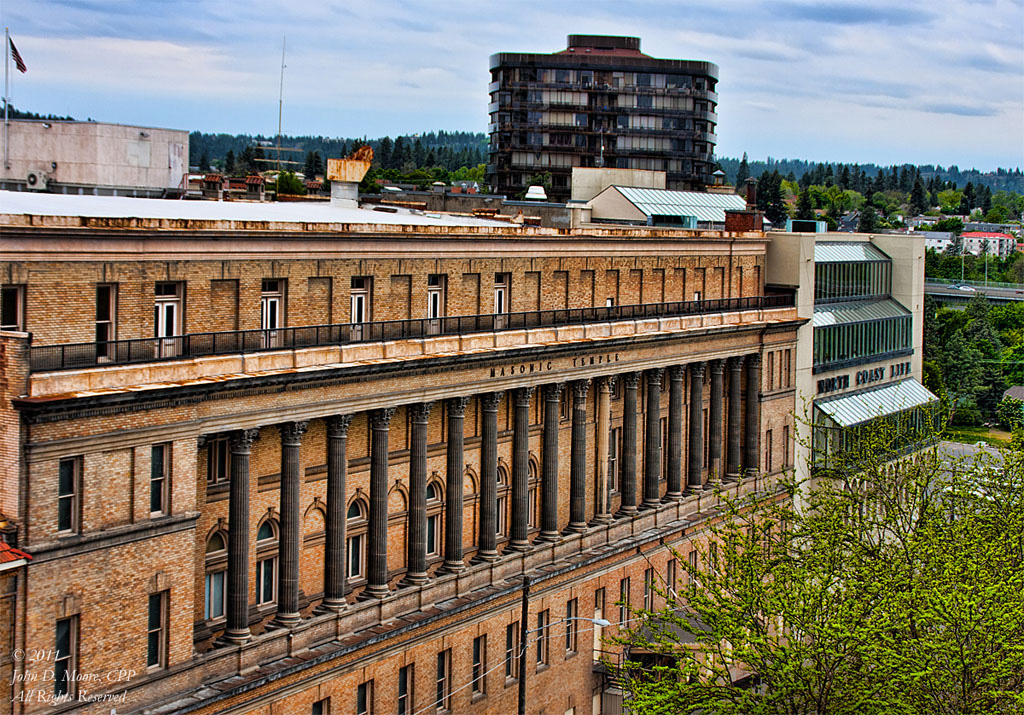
549	464
520	470
334	548
453	563
604	403
652	441
488	550
578	458
752	438
416	543
238	537
696	443
735	424
377	542
715	421
675	432
291	519
627	472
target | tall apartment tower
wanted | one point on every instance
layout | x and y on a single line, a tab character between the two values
600	102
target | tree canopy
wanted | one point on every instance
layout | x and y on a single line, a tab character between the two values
880	587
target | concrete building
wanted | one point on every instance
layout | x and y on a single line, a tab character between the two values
601	102
860	355
659	207
94	158
299	458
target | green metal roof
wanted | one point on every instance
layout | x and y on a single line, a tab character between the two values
847	252
857	312
705	207
856	409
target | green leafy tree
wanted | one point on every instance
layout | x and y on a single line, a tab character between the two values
880	587
804	206
289	183
1011	413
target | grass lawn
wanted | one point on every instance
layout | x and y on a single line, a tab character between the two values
970	435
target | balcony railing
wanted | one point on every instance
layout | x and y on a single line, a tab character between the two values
124	352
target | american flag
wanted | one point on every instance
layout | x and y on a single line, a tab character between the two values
18	62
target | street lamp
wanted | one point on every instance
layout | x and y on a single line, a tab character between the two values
524	632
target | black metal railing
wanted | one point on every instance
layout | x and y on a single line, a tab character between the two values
124	352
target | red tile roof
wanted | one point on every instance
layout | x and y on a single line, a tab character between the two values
9	554
986	234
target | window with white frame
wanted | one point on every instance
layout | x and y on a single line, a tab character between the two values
156	630
501	523
167	310
356	541
436	284
501	288
12	308
216	576
159	479
69	483
266	562
360	299
435	507
106	319
218	461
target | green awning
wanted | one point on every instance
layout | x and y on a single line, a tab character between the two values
857	312
847	252
856	409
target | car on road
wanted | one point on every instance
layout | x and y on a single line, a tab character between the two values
964	287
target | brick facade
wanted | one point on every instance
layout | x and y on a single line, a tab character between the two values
107	420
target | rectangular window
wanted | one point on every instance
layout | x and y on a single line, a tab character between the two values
106	311
215	594
65	659
572	625
663	447
12	308
432	522
266	580
355	556
691	574
771	370
543	621
218	461
768	462
502	521
364	698
271	311
167	310
614	445
322	707
623	601
501	286
512	650
671	577
156	631
531	508
479	664
598	616
159	479
436	284
69	484
713	557
444	680
649	590
405	693
360	299
785	446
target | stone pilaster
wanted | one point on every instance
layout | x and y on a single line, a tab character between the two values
238	537
715	421
652	441
578	458
675	432
519	529
549	464
334	548
602	514
627	469
752	432
416	543
487	539
734	428
377	541
291	519
456	408
696	442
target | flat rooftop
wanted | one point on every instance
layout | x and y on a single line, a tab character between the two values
30	203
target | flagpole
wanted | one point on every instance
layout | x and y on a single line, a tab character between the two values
7	94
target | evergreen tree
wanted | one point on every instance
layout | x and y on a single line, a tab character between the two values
775	210
229	162
742	173
384	154
418	155
204	162
918	202
804	206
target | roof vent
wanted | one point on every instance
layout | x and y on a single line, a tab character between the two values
536	193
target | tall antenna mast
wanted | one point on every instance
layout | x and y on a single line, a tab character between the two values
280	105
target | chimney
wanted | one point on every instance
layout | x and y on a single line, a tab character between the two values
751	187
345	175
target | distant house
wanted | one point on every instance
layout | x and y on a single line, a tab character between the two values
661	207
1016	392
998	244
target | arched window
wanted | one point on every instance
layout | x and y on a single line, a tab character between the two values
266	562
434	508
502	521
216	573
356	541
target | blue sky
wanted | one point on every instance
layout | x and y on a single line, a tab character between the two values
916	81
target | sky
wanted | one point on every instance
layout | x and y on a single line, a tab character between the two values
918	81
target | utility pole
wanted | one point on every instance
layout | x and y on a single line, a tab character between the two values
280	106
523	618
